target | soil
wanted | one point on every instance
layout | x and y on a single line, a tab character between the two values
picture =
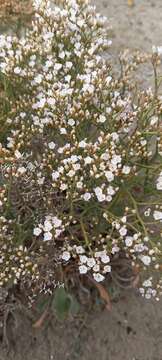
132	330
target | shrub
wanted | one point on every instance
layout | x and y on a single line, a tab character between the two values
80	154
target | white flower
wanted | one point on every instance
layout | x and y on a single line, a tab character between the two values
80	23
128	241
62	55
63	131
3	66
115	249
48	35
107	269
147	212
159	182
98	277
80	250
17	70
102	119
100	196
96	268
57	222
55	175
108	110
47	236
91	262
105	156
51	101
58	232
63	187
147	283
57	66
154	120
22	115
83	259
88	88
87	196
66	256
18	155
108	80
41	103
48	64
88	160
143	142
37	3
83	269
82	144
139	248
51	145
69	64
76	167
157	215
109	175
38	79
47	226
74	158
37	231
71	173
110	190
146	260
126	170
109	198
105	258
159	185
116	159
68	78
21	170
79	185
123	231
124	219
71	122
40	180
98	191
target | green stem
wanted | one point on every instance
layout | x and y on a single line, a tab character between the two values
85	235
137	213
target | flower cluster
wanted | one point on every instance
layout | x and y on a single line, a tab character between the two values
51	224
80	150
15	262
159	182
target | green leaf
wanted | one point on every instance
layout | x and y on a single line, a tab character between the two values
74	305
42	304
61	303
64	303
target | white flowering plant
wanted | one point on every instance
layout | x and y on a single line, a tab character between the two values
80	157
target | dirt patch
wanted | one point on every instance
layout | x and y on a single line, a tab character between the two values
136	27
133	329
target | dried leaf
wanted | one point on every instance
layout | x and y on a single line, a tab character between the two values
136	281
130	2
41	320
103	293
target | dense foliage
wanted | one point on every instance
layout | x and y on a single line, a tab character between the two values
80	155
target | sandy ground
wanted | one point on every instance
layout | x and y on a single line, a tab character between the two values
137	27
133	329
